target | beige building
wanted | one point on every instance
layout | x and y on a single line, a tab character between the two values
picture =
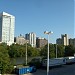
21	40
63	40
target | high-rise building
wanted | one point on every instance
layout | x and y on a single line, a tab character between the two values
41	42
7	23
63	40
32	38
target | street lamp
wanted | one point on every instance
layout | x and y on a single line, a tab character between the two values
46	32
56	50
26	53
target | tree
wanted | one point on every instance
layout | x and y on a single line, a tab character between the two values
69	50
32	52
17	50
5	64
44	50
52	51
60	50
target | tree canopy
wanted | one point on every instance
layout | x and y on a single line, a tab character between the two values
16	50
5	64
69	50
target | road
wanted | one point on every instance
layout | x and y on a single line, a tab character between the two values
64	70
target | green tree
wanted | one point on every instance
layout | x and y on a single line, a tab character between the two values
44	51
52	51
16	50
69	50
60	50
32	52
5	64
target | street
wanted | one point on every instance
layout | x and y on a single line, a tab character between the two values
64	70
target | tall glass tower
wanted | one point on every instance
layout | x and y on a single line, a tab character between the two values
7	23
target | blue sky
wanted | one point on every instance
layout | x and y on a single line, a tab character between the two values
41	15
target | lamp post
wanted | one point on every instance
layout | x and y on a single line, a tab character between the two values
56	50
26	53
46	32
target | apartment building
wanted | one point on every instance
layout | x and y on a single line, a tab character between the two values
32	38
41	42
7	26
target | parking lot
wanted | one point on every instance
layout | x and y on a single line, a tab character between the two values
64	70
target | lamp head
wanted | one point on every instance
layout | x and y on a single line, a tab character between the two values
46	32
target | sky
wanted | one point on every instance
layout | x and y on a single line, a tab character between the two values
41	15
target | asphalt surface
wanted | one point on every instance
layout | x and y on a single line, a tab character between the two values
64	70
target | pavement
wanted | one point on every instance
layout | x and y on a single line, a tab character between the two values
64	70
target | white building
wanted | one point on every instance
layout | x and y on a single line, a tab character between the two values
63	40
32	39
7	23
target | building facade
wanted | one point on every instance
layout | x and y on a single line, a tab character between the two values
59	41
21	40
63	40
72	41
7	23
41	42
32	38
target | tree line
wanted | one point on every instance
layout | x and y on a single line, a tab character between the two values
62	51
16	50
